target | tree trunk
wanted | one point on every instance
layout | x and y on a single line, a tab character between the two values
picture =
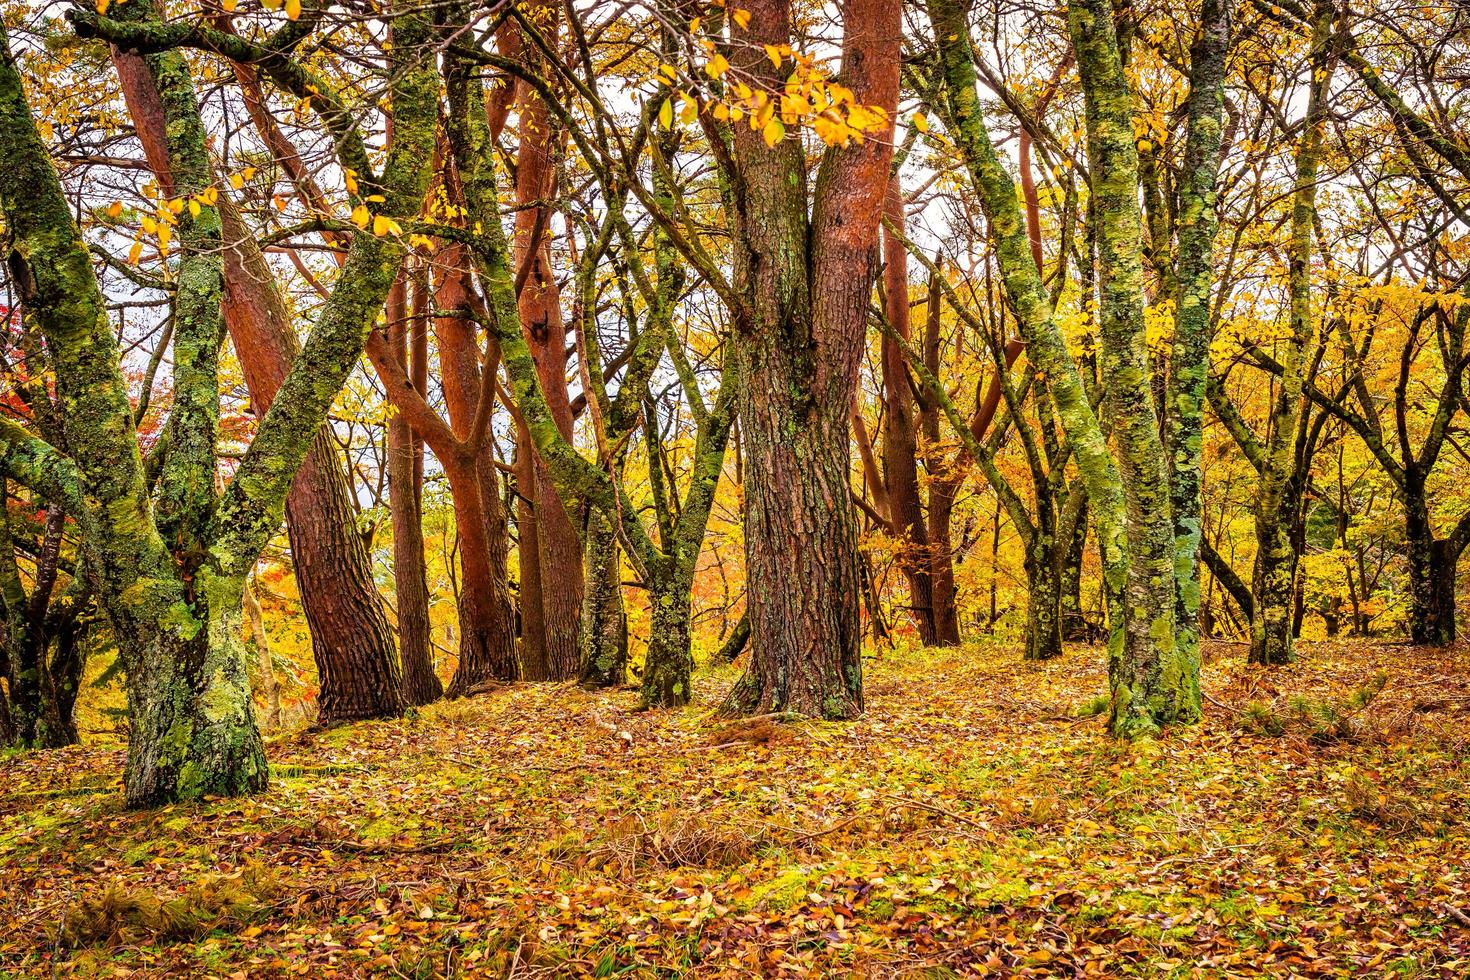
604	624
351	640
1189	363
1274	593
1075	627
405	479
258	638
1432	573
943	485
807	279
486	637
528	528
900	436
669	663
558	547
193	730
1043	603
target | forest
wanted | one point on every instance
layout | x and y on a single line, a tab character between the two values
726	488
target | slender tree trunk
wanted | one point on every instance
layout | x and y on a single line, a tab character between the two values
557	545
262	644
943	484
532	605
410	576
1189	363
1075	627
900	436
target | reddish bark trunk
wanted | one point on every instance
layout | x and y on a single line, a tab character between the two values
420	684
900	436
808	282
557	545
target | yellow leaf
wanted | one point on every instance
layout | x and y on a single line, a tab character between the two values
921	122
716	66
741	17
383	225
293	9
236	181
193	208
229	5
773	132
774	53
360	216
102	6
666	114
271	4
134	252
114	209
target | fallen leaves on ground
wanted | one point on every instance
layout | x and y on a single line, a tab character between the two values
970	823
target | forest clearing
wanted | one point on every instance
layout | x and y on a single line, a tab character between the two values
966	825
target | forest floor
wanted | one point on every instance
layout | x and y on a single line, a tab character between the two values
969	823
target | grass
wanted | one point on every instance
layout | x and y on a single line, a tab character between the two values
975	821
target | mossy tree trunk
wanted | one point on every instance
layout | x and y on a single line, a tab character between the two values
1044	344
604	624
171	573
1153	682
1189	362
351	641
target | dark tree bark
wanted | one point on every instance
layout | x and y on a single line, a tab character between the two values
807	280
